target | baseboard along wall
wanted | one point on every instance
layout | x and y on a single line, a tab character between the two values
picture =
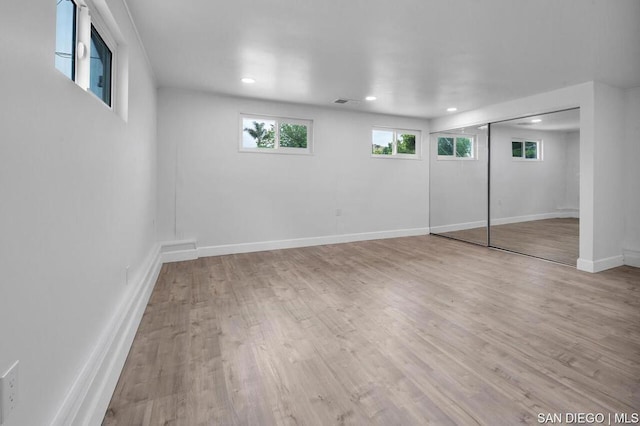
562	213
175	251
88	398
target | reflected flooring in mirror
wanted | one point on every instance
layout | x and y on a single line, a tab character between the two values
551	239
473	235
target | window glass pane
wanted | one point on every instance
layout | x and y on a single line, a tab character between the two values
65	37
531	150
100	68
516	149
406	143
258	133
445	146
293	135
382	142
464	147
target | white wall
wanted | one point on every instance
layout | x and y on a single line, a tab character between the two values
210	192
528	188
77	206
631	177
608	162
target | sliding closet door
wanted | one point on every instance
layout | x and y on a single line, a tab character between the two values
534	187
458	184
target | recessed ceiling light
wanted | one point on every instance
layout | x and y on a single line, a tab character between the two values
482	127
536	120
370	98
248	80
452	109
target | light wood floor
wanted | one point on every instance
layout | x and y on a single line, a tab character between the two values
411	331
552	239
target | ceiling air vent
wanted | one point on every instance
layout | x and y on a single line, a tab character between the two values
524	124
341	101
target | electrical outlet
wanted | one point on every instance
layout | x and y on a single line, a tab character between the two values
8	392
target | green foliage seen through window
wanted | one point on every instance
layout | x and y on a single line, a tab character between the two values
516	149
460	146
464	147
407	144
293	135
264	137
445	146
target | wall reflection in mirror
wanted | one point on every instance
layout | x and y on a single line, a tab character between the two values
534	185
458	184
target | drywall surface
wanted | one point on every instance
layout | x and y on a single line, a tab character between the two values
211	192
77	191
608	165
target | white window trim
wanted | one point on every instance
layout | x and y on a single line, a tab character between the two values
277	149
474	147
107	37
523	140
86	16
396	132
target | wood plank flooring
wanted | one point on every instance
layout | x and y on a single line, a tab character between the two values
552	239
411	331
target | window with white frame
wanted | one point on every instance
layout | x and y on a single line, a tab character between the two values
456	147
526	149
275	134
84	48
398	143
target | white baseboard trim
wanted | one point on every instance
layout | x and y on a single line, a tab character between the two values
562	213
528	218
177	251
91	391
307	242
631	258
600	265
458	227
174	251
565	213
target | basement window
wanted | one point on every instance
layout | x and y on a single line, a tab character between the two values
100	74
525	149
85	50
275	134
395	143
456	147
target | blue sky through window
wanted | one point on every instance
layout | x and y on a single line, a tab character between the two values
65	35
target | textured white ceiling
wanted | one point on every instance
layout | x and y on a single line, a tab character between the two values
417	56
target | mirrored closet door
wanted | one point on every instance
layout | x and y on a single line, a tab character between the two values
458	184
534	185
